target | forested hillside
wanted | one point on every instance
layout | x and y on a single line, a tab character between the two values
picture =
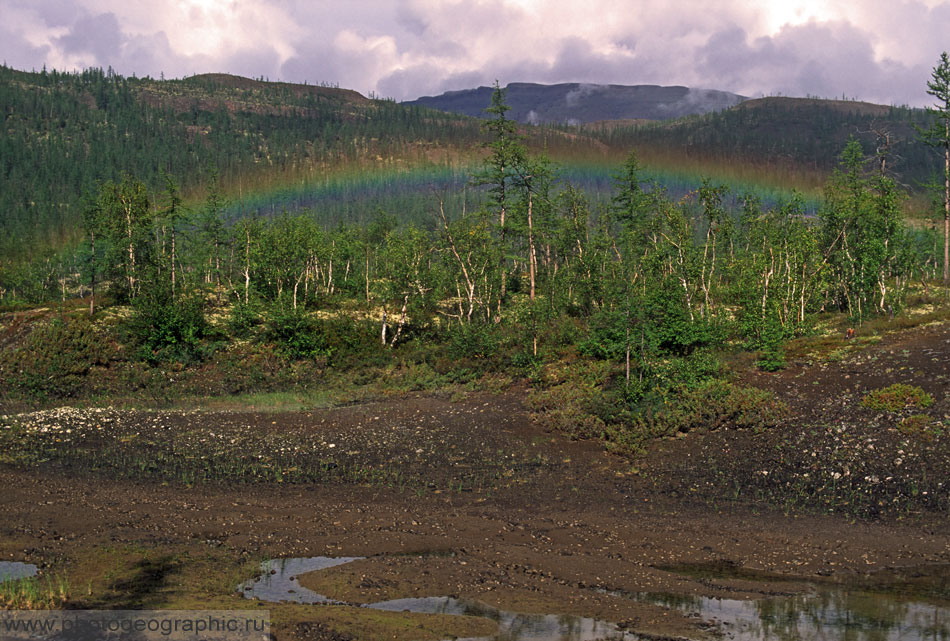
801	137
342	158
64	134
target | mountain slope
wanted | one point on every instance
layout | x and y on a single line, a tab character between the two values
576	103
63	133
799	135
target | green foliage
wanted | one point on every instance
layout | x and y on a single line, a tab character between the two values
296	334
606	337
507	152
715	404
719	403
165	327
864	237
55	359
772	343
657	325
686	372
34	593
473	341
570	409
938	135
124	217
897	397
244	318
916	425
353	343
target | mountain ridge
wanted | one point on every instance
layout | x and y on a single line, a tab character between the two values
581	103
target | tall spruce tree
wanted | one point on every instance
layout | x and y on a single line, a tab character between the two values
507	153
939	136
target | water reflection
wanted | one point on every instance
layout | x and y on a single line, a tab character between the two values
279	583
824	615
513	626
10	570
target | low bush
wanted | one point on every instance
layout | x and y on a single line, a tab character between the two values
897	397
569	409
716	404
243	319
473	341
295	334
54	360
923	426
165	327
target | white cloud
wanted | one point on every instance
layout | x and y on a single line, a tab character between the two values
880	50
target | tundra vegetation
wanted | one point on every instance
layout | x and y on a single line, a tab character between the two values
620	311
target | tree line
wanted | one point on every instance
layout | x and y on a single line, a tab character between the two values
646	275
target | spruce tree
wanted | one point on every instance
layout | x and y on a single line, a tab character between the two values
939	136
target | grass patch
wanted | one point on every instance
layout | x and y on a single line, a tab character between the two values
34	593
266	401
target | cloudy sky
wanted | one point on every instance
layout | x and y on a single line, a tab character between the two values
877	50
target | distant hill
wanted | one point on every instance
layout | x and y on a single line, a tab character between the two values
799	134
64	133
577	103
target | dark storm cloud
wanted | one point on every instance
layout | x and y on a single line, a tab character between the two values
55	13
20	54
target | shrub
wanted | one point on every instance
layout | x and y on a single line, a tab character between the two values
897	397
473	340
243	319
719	403
569	408
916	424
686	372
295	334
54	360
712	405
165	327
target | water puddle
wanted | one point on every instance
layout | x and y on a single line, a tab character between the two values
279	580
825	614
10	570
279	583
514	626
